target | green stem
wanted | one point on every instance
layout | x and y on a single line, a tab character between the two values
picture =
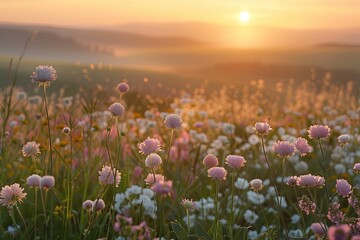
216	200
231	222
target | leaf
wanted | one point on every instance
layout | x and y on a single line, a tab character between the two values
179	231
241	233
201	232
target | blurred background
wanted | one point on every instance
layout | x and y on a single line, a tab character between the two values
172	44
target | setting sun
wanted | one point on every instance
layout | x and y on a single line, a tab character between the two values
244	17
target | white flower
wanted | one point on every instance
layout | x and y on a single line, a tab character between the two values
252	235
255	198
148	192
295	218
133	190
250	216
241	183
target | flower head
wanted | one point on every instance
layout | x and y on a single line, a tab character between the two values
173	121
47	182
106	176
11	195
343	188
256	184
284	149
87	205
356	167
235	161
123	87
310	181
151	179
217	173
262	128
318	131
188	204
210	161
34	181
149	145
116	109
339	232
303	146
153	160
44	75
98	205
66	130
318	229
162	187
292	181
344	139
30	149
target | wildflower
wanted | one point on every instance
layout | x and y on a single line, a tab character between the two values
153	160
292	181
47	182
44	75
162	187
11	195
235	161
253	139
31	149
87	205
34	181
339	232
241	183
256	184
356	168
310	181
173	121
318	131
151	179
302	146
116	109
149	145
188	204
66	130
318	229
98	205
217	173
210	161
123	87
284	148
106	176
21	96
344	139
343	188
335	214
250	216
354	199
306	205
262	128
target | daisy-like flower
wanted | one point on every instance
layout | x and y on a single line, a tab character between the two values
217	173
210	161
235	161
173	121
106	176
262	128
153	160
344	139
30	149
284	149
123	87
151	180
310	181
188	204
343	188
44	75
303	146
47	182
256	184
162	187
318	131
11	195
116	109
149	145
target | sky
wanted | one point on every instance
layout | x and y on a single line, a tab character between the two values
295	14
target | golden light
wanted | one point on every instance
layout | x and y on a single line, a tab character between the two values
244	17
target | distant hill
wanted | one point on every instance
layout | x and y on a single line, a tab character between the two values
337	45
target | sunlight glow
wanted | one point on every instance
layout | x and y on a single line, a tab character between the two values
244	17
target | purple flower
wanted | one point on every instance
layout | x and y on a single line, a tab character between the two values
217	173
149	145
235	161
310	181
44	75
256	184
339	232
356	168
343	188
173	121
318	229
318	131
47	182
344	139
98	205
108	176
116	109
123	87
302	146
210	161
153	160
11	195
162	187
33	181
284	149
262	128
31	149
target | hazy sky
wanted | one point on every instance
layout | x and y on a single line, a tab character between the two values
277	13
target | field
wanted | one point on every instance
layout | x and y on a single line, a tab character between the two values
139	137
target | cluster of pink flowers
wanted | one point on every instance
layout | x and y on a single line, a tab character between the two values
96	205
335	215
35	181
108	176
306	205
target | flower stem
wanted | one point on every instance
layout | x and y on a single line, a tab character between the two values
216	199
231	222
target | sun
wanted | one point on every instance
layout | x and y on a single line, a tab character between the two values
244	17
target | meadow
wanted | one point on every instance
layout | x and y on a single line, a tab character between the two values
144	159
